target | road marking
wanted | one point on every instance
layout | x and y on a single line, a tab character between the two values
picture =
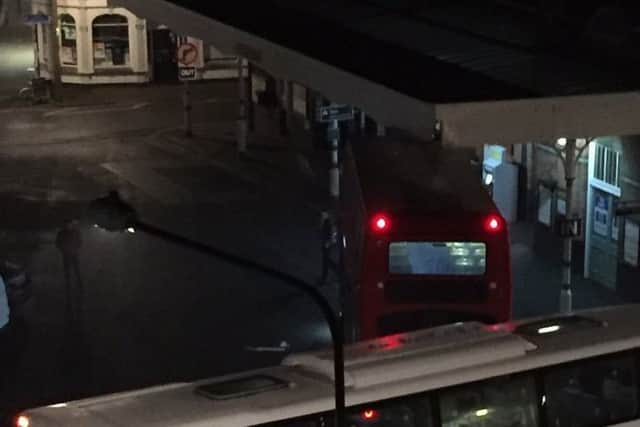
218	101
76	111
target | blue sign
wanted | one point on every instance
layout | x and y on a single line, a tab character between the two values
335	112
37	18
601	216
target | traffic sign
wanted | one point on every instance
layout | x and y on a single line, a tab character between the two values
187	73
187	54
570	227
333	112
37	18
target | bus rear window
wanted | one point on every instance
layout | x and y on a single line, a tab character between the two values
438	258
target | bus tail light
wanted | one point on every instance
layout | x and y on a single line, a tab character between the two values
380	223
370	415
22	421
493	224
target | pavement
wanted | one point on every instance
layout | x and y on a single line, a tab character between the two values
536	279
148	303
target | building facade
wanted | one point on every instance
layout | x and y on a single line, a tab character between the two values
100	44
612	241
607	177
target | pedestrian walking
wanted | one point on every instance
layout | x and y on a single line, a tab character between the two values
328	241
69	242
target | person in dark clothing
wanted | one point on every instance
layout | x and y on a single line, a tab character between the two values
328	238
69	242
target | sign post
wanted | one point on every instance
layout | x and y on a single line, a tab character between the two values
188	54
334	114
569	228
243	109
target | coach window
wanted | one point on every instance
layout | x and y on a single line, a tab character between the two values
592	393
319	420
503	402
412	411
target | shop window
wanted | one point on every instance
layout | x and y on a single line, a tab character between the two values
607	165
43	46
68	36
110	41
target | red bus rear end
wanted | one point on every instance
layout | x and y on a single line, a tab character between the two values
425	245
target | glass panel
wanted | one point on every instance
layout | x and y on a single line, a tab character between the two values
592	393
599	163
110	19
558	325
616	173
412	411
611	160
68	51
322	420
503	402
607	165
438	258
241	386
110	41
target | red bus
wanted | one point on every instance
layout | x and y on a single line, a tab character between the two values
424	243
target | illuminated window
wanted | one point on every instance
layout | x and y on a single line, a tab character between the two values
592	393
110	41
438	258
607	165
68	37
503	402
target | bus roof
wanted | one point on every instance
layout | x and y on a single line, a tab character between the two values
378	369
418	178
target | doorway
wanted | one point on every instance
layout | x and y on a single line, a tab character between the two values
165	62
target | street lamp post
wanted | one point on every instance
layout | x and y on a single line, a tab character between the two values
566	296
53	63
113	214
569	150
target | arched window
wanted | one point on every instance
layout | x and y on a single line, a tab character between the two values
68	48
110	41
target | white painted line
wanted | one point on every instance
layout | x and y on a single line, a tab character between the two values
219	100
76	111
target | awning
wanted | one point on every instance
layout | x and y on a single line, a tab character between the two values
397	85
540	119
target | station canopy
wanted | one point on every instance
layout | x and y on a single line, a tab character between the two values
481	76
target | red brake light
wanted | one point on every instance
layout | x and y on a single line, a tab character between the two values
370	415
380	223
23	421
493	224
